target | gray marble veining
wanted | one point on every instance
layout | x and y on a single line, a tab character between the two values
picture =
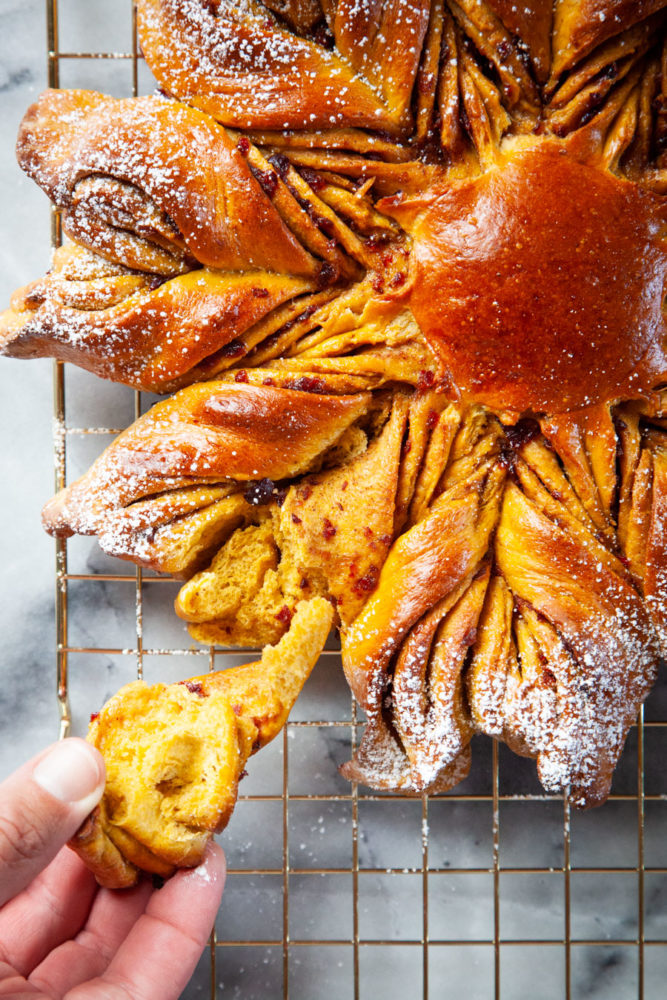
27	708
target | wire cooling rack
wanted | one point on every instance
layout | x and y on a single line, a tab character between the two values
496	890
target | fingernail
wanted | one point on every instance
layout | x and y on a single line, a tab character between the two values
71	772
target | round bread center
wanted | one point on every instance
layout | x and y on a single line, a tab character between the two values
540	283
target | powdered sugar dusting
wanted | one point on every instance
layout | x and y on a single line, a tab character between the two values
204	873
576	653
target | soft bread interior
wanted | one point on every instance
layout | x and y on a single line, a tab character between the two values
172	759
175	753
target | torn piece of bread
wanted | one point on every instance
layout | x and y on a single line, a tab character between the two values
175	753
328	535
248	594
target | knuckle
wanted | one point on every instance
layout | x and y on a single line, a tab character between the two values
21	838
97	945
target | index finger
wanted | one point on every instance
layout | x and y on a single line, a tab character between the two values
161	951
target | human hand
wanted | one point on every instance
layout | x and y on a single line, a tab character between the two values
61	936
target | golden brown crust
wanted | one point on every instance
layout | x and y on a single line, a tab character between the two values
250	72
538	219
381	762
145	150
207	433
111	869
130	328
604	628
530	23
437	564
580	25
425	564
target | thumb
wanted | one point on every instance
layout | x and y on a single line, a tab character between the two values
42	805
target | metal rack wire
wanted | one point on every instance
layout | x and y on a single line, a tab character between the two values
478	942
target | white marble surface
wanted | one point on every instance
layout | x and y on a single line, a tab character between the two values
320	833
26	693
